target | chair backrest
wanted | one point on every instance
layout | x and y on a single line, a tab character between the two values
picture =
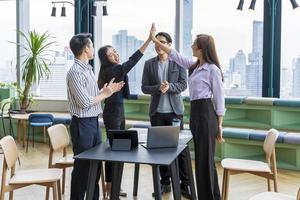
269	143
40	118
5	106
10	150
59	136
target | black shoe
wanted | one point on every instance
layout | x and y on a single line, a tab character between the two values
186	191
122	193
164	188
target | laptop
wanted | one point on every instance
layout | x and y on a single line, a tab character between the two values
162	137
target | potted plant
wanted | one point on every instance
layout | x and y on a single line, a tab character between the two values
36	63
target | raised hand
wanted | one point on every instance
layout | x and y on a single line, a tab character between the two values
152	31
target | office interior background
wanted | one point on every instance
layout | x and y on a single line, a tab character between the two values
258	49
238	34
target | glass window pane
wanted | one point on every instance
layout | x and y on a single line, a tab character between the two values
239	41
62	28
290	52
127	27
7	41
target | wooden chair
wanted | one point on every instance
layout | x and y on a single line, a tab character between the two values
59	140
267	170
44	177
274	196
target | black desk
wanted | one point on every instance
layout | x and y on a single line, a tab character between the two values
185	137
140	155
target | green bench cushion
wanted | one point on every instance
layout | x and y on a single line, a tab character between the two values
292	138
141	125
287	102
234	100
238	133
62	120
260	135
137	124
259	101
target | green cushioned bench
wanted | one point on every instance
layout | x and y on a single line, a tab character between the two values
246	122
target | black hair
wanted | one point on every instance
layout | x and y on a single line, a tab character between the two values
78	42
105	63
166	35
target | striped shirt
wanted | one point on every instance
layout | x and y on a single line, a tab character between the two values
82	88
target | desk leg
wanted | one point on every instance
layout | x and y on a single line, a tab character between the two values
177	167
91	180
116	180
156	182
136	179
175	181
190	173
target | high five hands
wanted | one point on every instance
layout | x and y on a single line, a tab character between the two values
152	32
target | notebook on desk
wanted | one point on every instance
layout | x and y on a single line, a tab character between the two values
162	137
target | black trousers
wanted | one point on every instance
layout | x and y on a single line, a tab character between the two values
113	118
85	134
165	119
203	125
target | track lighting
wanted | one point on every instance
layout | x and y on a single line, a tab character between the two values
240	6
94	9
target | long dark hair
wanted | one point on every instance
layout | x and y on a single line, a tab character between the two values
207	44
105	63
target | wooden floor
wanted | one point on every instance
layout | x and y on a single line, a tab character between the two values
241	186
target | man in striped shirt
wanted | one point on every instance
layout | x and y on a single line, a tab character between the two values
84	100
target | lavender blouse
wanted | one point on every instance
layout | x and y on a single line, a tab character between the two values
205	81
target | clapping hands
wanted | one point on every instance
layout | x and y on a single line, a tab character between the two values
164	87
111	87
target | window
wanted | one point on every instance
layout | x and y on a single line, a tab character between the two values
8	35
290	53
127	27
239	41
62	28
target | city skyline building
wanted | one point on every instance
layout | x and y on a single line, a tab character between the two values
296	77
237	69
254	69
286	82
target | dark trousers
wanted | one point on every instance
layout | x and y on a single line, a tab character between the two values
113	118
85	134
203	125
165	119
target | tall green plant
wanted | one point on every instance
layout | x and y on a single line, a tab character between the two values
36	63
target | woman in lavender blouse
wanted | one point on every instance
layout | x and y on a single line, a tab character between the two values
205	83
